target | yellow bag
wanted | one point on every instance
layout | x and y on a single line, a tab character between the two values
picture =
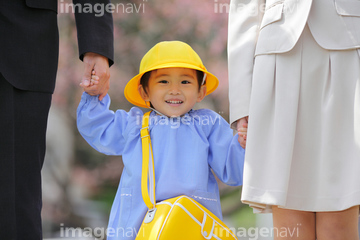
180	217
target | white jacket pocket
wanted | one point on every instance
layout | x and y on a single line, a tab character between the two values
348	8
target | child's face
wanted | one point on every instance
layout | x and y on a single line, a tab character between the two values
173	91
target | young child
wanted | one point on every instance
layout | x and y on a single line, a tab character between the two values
189	146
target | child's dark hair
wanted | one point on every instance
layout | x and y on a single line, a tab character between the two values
144	81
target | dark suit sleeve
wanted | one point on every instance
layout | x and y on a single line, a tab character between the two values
94	28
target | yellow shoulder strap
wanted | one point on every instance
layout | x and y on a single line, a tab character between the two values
148	171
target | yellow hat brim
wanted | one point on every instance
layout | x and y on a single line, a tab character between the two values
132	94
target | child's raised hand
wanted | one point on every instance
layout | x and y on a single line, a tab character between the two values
93	81
242	126
94	78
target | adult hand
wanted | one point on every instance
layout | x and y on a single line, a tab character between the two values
96	63
241	126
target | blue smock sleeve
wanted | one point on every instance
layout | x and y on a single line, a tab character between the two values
102	128
226	156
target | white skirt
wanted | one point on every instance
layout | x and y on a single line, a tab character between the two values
303	147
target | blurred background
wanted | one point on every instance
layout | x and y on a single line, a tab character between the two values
79	184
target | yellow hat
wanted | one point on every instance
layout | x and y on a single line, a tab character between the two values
168	54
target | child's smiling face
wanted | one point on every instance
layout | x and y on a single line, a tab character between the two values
173	91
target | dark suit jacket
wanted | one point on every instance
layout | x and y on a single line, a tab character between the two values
29	40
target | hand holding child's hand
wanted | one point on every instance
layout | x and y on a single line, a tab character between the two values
93	81
101	84
242	126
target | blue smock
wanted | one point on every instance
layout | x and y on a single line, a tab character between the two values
187	150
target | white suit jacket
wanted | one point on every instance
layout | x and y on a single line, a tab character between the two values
259	27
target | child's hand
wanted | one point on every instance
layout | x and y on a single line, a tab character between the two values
100	64
94	78
93	81
242	126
